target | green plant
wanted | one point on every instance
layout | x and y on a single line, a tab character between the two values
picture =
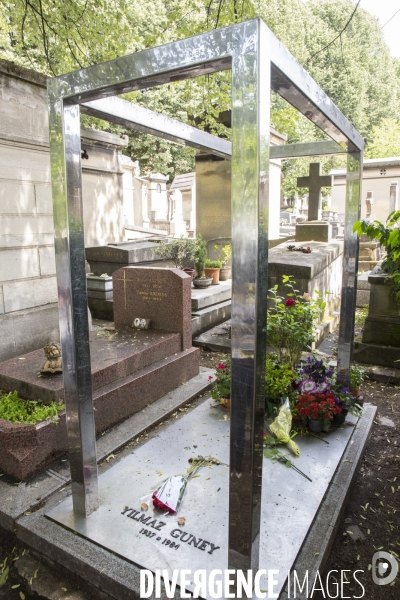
221	388
200	256
177	251
278	379
213	264
224	253
291	320
357	376
389	237
16	410
361	315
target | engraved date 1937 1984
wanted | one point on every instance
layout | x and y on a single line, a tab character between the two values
165	541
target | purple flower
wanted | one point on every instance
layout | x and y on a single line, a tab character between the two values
322	387
307	387
340	403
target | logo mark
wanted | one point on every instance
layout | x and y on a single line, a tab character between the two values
381	574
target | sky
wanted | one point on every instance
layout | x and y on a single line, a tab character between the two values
384	10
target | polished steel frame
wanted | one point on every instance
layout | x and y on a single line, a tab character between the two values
259	63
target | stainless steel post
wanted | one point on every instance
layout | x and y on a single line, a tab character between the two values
350	264
72	300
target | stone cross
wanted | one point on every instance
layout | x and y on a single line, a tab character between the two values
314	182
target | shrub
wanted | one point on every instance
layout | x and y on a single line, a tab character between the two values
16	410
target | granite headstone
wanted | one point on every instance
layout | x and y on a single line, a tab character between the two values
161	295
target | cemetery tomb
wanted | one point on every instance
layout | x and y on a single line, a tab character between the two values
244	49
130	367
128	524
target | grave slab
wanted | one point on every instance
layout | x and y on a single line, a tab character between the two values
107	259
289	501
203	298
17	500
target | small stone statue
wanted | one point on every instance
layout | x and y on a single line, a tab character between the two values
53	362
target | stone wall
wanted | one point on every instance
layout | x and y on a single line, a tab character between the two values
213	194
378	175
28	293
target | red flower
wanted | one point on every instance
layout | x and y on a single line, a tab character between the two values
221	366
210	377
290	302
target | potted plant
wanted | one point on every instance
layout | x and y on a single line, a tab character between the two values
278	384
212	269
224	255
178	251
200	257
221	387
357	376
317	411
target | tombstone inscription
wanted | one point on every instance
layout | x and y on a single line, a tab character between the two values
161	295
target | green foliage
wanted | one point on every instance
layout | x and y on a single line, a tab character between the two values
221	388
213	264
389	237
355	69
178	251
16	410
361	315
384	139
291	320
225	253
200	256
357	376
278	379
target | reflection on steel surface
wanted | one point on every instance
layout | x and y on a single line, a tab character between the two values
137	117
253	53
350	264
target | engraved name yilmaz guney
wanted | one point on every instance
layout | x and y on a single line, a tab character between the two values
157	525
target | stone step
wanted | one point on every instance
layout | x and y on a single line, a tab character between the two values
210	317
362	281
376	354
15	501
27	449
114	355
203	298
132	393
362	298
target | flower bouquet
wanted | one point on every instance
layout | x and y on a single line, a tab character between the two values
318	410
170	494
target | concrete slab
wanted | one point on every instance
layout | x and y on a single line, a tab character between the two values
317	544
289	500
215	339
211	316
202	298
17	499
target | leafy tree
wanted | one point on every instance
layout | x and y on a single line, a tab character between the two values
348	59
384	140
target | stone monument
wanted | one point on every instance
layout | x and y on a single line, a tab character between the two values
130	368
314	229
161	295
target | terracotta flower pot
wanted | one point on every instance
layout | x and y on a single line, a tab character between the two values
190	272
225	273
213	273
355	392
